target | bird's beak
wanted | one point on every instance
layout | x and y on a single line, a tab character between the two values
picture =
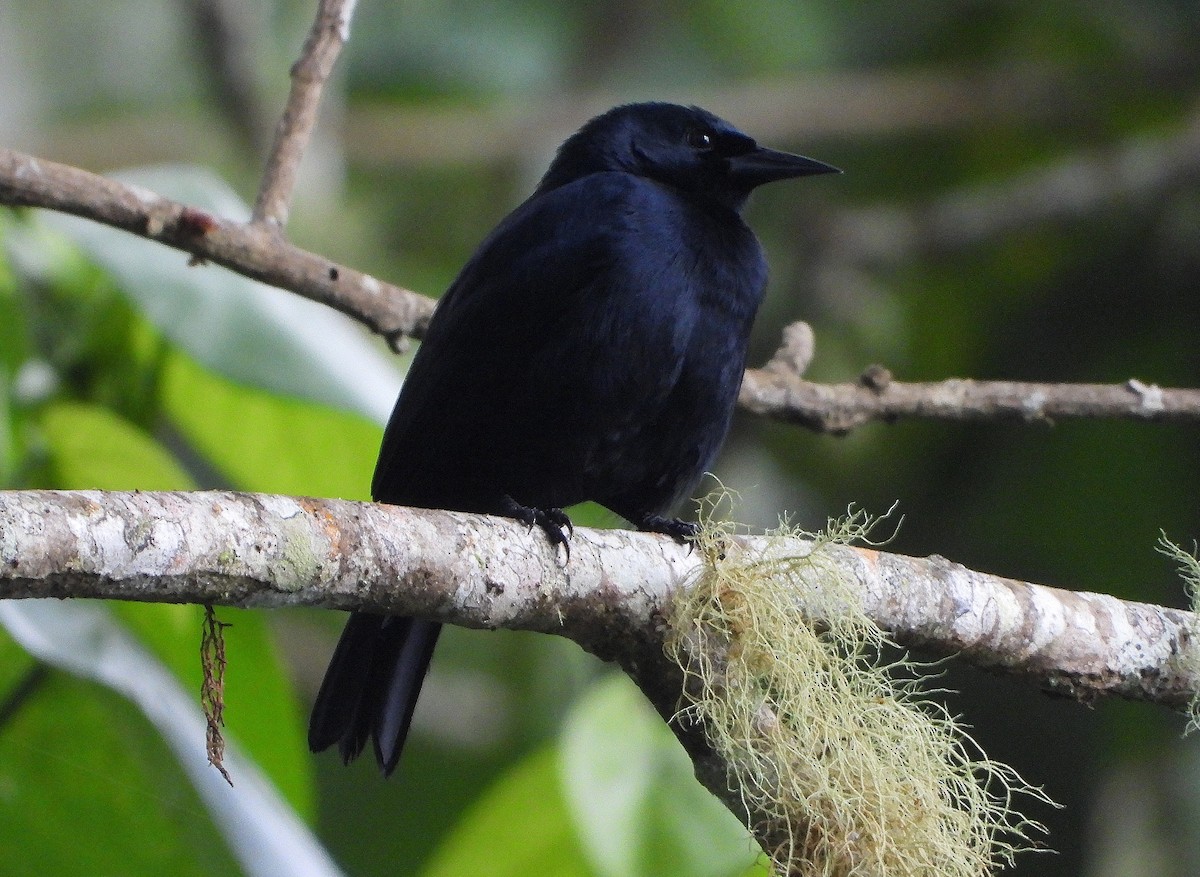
762	165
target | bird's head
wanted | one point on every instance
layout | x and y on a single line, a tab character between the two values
685	147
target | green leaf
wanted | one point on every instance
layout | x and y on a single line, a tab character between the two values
261	441
242	329
14	344
89	788
521	826
13	352
8	443
92	448
638	807
84	640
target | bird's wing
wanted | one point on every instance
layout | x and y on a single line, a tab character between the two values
566	328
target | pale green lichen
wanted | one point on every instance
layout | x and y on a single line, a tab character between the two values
1189	656
831	747
299	560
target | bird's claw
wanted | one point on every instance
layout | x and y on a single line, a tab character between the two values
553	522
683	532
558	520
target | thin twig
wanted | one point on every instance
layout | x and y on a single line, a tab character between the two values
328	34
228	41
16	697
799	109
778	391
1136	172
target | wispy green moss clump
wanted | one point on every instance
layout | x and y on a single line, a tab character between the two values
832	748
1189	659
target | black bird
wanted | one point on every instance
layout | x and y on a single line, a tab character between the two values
591	349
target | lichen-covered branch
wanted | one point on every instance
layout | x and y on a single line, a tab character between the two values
611	596
264	550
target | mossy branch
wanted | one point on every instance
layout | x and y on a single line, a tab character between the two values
614	596
843	763
242	549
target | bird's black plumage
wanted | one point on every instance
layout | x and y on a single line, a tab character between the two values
591	349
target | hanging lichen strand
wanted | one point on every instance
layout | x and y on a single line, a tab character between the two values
834	750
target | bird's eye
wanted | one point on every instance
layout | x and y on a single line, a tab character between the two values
699	138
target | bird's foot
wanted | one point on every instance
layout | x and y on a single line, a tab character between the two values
553	522
680	531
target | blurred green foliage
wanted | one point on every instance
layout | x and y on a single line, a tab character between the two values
967	238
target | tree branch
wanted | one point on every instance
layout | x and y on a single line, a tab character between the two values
845	105
228	37
328	34
611	596
1139	171
779	391
776	390
811	106
839	408
266	551
257	252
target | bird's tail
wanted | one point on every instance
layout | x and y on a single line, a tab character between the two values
371	687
